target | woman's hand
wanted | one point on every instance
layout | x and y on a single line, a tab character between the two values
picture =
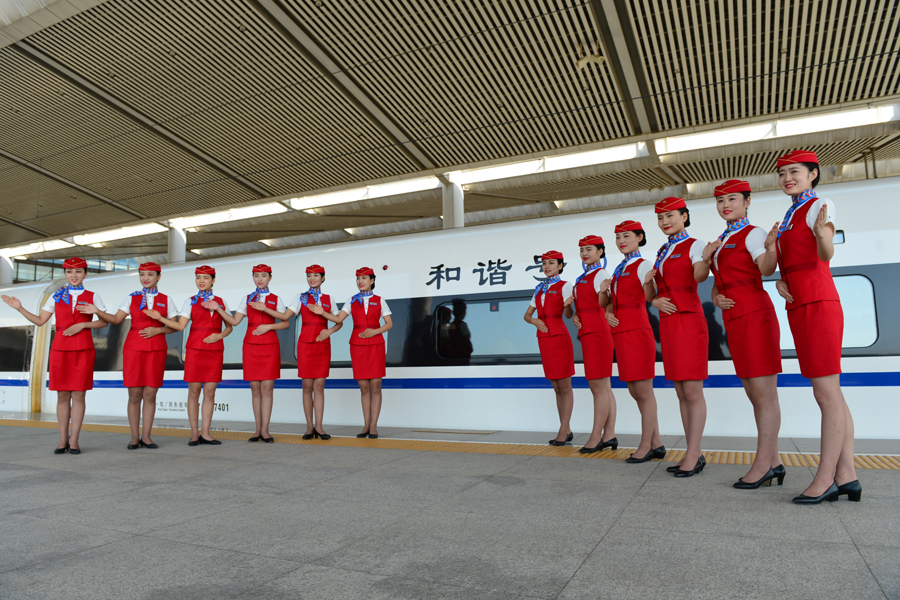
604	286
540	325
263	329
820	227
325	334
710	250
76	328
12	301
150	332
153	314
784	290
649	277
212	339
577	322
87	309
211	305
612	320
723	302
665	305
568	301
315	309
260	306
772	237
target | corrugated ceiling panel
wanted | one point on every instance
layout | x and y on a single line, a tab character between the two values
223	78
716	61
475	81
595	185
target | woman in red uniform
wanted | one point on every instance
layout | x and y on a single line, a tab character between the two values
205	351
72	352
261	351
739	261
596	342
626	311
671	286
368	352
804	244
551	299
144	353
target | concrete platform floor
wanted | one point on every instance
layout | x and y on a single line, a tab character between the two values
310	521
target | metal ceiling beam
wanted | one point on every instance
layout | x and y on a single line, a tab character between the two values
327	65
70	184
25	227
624	57
111	101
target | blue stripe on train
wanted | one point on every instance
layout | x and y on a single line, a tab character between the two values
884	379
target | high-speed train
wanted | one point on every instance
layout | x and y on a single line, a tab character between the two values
482	278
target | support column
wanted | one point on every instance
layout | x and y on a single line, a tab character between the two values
453	202
177	245
7	270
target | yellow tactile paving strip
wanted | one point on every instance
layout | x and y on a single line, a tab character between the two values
793	459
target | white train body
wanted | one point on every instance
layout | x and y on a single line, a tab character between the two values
501	386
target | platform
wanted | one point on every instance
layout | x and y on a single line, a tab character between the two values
425	514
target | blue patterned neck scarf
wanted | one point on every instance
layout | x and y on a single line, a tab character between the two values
673	239
545	285
621	268
144	293
63	293
256	296
734	227
359	297
203	296
314	293
796	202
588	269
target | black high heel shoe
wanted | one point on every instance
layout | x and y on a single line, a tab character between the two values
255	438
852	489
133	446
150	446
212	442
776	473
568	439
322	436
372	436
611	443
61	450
74	450
268	440
831	494
701	462
363	434
659	453
309	436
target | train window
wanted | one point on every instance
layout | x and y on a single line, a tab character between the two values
858	302
108	343
15	348
839	236
484	328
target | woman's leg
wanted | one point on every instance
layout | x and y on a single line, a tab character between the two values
308	388
193	408
763	394
255	400
609	428
565	400
63	411
149	413
135	395
77	416
375	386
365	395
601	410
209	407
693	406
267	401
318	402
642	392
836	452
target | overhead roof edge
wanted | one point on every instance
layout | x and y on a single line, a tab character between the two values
18	20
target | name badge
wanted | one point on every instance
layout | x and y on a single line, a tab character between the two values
625	273
83	303
326	306
730	246
675	256
552	292
583	281
269	301
160	304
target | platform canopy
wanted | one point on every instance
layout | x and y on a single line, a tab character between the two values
141	112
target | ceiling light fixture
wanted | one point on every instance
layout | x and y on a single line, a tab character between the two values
381	190
225	216
36	248
118	234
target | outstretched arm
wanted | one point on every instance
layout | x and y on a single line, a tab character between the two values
115	319
16	304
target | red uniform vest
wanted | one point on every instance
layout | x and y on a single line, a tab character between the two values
550	310
366	320
255	318
140	321
313	324
628	300
738	277
592	317
678	283
807	275
203	325
65	318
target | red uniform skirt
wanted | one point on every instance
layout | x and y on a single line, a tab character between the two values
754	342
685	346
368	361
557	356
143	368
204	366
818	329
72	370
314	359
262	362
597	353
635	354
